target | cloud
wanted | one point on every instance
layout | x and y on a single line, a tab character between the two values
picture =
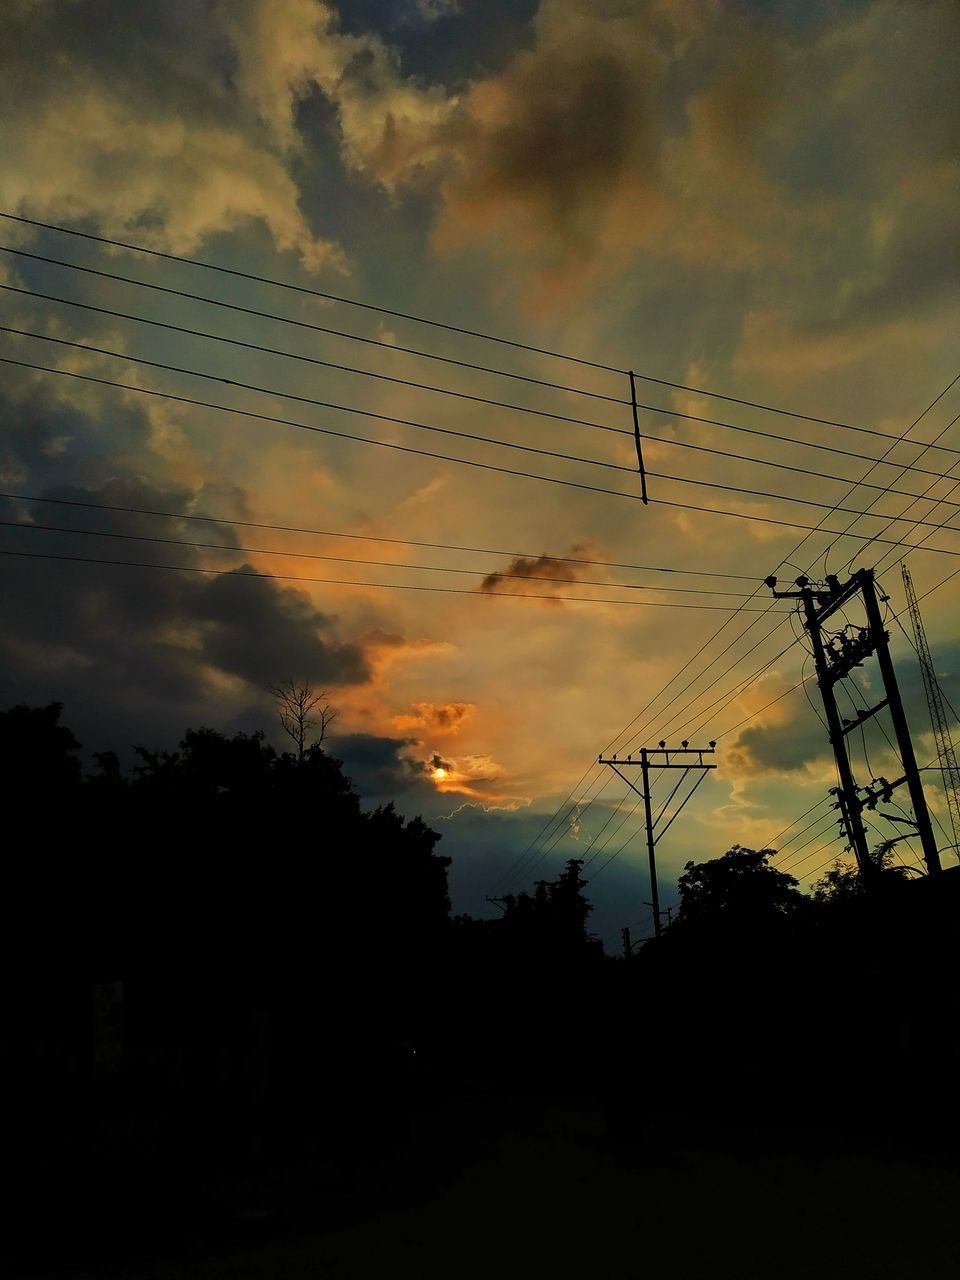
381	767
121	645
548	154
130	116
430	718
431	10
694	133
791	743
253	628
543	570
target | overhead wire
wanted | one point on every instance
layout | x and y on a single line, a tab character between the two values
660	409
409	449
447	431
726	454
328	296
311	326
352	582
286	354
492	576
322	294
362	537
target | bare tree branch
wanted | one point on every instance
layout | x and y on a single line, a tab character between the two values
302	710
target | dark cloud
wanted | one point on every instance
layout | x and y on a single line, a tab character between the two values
130	44
915	270
43	437
257	630
567	139
795	741
135	650
547	145
381	767
798	739
542	567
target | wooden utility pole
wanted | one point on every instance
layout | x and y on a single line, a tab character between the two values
662	756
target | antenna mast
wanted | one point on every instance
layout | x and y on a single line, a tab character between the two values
946	753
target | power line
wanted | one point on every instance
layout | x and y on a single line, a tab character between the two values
337	581
934	402
848	531
561	813
621	734
896	617
402	315
673	818
793	862
803	830
380	564
808	875
910	545
563	828
463	395
327	431
447	431
852	489
612	834
314	360
659	409
312	400
617	738
366	537
317	293
470	462
309	325
739	689
913	646
753	714
716	680
785	560
919	498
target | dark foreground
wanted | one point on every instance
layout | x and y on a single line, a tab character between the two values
512	1187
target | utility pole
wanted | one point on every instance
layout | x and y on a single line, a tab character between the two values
625	934
835	658
662	757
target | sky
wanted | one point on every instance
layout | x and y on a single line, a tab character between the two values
756	201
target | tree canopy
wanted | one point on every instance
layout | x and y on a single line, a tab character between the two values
740	886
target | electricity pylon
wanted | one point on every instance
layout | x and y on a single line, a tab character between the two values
835	657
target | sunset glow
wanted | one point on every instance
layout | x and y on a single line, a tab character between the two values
440	524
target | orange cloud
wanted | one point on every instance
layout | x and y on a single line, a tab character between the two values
437	720
476	776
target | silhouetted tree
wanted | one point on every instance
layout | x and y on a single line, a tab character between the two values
301	710
741	886
37	752
555	914
843	882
